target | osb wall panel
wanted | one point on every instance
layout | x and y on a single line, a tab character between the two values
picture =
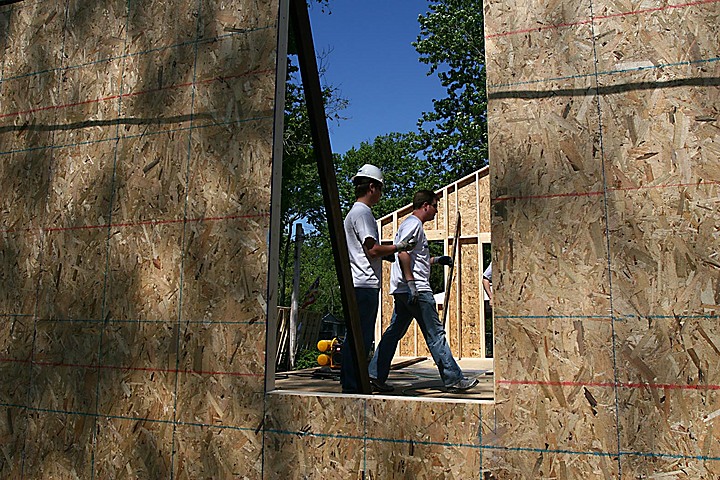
470	332
467	204
135	155
373	438
604	187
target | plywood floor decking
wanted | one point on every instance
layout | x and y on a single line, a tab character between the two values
420	380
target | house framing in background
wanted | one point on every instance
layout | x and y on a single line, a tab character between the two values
139	160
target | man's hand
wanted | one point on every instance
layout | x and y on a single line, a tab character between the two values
444	260
406	245
413	295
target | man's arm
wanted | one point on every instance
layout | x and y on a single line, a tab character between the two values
375	250
406	266
406	269
442	260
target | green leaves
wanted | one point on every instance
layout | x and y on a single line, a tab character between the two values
450	143
451	43
404	171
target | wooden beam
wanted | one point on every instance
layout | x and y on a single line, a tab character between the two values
271	341
448	284
300	21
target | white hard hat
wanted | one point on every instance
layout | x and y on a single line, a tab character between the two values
369	171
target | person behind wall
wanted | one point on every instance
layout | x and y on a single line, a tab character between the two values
487	282
487	285
410	288
366	253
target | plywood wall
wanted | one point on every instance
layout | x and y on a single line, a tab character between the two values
135	155
604	123
135	165
605	179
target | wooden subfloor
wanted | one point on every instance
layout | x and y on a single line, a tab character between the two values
420	380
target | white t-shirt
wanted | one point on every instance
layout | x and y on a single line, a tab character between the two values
360	224
419	258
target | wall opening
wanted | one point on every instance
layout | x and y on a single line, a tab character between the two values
466	314
310	324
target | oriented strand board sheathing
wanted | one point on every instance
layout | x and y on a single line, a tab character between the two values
605	233
228	177
313	436
452	206
34	38
483	200
452	326
387	229
144	266
409	440
135	159
71	284
19	269
25	182
655	39
90	104
665	257
93	30
60	446
470	332
467	204
135	449
222	274
149	178
81	186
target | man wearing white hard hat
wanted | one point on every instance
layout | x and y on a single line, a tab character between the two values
366	255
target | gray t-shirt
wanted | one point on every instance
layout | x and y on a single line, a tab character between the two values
360	224
419	258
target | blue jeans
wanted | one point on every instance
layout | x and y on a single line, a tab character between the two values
425	312
368	300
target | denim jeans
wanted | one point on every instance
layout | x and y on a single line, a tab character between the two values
368	300
425	312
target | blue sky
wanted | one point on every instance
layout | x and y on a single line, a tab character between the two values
373	64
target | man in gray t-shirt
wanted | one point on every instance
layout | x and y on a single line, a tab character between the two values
410	287
366	253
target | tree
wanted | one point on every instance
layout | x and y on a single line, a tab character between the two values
451	142
301	197
403	170
451	42
404	173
